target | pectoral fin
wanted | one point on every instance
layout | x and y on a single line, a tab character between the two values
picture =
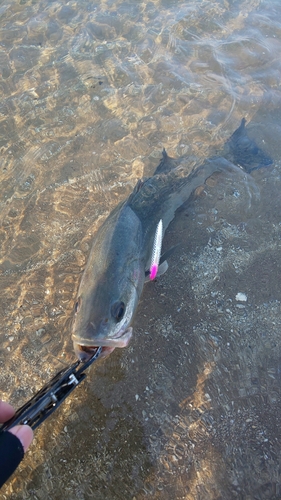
163	264
162	268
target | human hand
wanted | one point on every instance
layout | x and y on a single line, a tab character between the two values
23	432
13	443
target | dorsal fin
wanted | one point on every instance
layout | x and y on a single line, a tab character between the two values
166	164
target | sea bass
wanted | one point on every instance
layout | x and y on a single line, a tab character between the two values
126	248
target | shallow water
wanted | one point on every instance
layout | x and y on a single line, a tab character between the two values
90	94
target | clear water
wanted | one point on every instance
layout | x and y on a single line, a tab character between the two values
90	94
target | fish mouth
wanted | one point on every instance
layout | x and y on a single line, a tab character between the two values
84	353
84	348
121	340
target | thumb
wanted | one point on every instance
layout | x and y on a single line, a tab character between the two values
24	433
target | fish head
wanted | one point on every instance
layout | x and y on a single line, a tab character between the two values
108	295
103	313
102	317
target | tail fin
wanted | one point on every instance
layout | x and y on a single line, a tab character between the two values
244	151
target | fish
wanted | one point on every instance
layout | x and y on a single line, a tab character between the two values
127	246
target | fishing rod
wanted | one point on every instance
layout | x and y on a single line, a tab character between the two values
51	395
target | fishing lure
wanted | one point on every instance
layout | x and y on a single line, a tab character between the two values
156	251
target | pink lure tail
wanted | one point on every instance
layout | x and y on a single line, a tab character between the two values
156	251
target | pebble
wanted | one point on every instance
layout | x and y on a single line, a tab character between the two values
242	297
40	331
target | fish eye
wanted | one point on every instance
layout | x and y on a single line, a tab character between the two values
77	305
117	310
